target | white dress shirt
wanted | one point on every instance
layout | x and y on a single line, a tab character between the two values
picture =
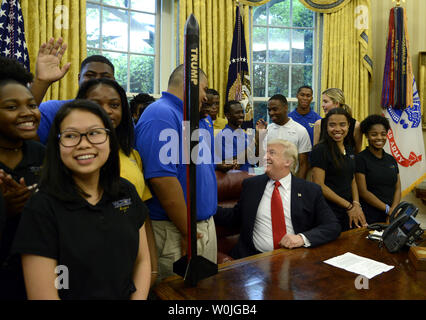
262	232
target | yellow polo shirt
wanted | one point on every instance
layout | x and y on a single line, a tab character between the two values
131	169
220	123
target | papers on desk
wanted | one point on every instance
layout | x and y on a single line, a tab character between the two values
359	265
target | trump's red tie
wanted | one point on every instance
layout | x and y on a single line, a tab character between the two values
277	216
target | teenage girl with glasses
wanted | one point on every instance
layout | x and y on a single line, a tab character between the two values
82	236
112	98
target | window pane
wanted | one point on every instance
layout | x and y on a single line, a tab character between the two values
260	111
279	13
92	25
259	44
142	33
114	29
289	26
279	45
302	46
300	76
119	60
110	24
141	74
117	3
278	80
260	15
145	5
302	17
259	76
291	106
91	52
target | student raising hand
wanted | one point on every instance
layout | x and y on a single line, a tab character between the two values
48	68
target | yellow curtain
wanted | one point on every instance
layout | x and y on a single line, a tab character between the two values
216	19
254	2
44	19
346	60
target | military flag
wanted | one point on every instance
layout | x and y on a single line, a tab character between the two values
401	105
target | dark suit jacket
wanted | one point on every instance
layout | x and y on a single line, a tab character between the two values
310	214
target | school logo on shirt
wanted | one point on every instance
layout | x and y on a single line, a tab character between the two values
291	133
208	122
35	170
122	204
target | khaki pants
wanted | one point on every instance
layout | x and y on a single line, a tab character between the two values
168	241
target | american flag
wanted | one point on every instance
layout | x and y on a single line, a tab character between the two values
238	87
12	36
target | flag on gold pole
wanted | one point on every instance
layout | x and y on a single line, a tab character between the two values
401	105
238	87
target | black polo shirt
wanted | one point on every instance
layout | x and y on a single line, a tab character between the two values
381	176
29	168
11	278
98	244
337	179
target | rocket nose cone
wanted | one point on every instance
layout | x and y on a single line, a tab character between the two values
191	25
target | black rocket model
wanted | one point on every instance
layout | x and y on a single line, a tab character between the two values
192	267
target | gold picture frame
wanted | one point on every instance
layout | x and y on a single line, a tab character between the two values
422	85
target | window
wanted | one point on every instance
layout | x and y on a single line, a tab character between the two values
125	31
283	52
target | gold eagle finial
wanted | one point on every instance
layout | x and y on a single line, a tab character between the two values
398	2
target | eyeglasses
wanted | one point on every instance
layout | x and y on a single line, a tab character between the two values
73	138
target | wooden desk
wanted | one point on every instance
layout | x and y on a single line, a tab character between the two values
302	274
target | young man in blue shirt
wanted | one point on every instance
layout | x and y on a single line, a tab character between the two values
303	114
213	110
159	136
232	141
48	71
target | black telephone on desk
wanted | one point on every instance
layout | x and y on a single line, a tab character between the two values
402	230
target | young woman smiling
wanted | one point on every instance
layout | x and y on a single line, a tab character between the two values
112	98
377	173
333	164
85	218
20	162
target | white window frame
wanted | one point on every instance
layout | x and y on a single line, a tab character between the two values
290	64
164	34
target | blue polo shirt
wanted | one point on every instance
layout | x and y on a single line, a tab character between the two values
159	142
206	124
48	112
307	120
232	143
